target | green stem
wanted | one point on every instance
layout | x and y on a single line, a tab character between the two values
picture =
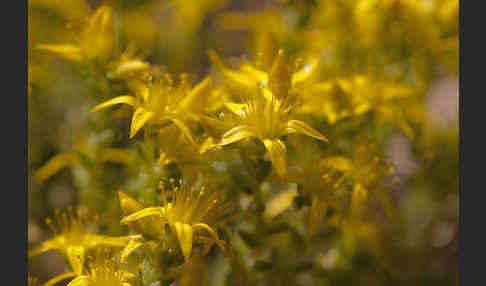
255	186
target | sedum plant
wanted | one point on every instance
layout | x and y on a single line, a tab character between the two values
172	150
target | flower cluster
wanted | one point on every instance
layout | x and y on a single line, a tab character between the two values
206	149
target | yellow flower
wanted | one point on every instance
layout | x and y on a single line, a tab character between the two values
73	237
263	116
127	65
84	148
176	148
331	98
103	270
97	39
343	97
279	80
158	102
265	28
190	14
319	179
192	216
367	171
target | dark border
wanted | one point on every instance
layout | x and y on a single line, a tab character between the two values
471	165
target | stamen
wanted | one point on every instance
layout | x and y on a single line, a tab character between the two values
51	226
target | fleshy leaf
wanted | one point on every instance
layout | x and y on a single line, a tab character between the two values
184	234
116	155
124	99
277	152
316	215
297	126
55	164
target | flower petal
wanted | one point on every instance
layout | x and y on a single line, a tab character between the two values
165	159
126	99
117	241
340	163
128	204
235	134
213	126
196	99
45	246
184	233
75	255
237	80
212	233
208	145
236	108
279	76
183	128
305	74
134	243
64	276
277	152
140	117
280	202
69	52
297	126
150	211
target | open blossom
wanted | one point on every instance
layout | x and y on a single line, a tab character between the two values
192	216
158	101
73	236
345	97
102	270
268	119
279	80
97	39
268	106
